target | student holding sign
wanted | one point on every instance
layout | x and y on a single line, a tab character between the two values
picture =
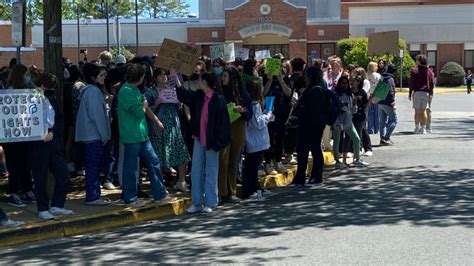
20	182
169	145
49	155
387	116
277	86
239	99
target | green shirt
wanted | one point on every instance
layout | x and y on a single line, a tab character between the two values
132	121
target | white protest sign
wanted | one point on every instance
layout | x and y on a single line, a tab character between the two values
259	55
242	53
168	96
224	51
22	116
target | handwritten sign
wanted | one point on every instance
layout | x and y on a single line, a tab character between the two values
172	82
233	116
273	66
259	55
381	43
22	116
224	51
179	56
168	96
242	53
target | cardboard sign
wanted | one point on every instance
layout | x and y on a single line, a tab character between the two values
259	55
168	96
273	66
179	56
224	51
232	114
381	43
22	116
242	53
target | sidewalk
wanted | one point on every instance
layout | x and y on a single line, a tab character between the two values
437	91
92	218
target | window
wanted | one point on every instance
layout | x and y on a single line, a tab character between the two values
413	54
469	58
431	55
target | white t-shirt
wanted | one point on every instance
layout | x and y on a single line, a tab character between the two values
366	87
374	78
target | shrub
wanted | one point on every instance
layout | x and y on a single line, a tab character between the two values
123	51
452	74
354	51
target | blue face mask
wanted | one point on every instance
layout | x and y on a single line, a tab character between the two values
218	71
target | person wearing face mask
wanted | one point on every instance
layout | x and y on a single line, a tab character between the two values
93	129
344	123
20	181
218	67
49	154
210	126
234	92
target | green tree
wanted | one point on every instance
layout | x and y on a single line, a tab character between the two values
452	74
354	51
163	9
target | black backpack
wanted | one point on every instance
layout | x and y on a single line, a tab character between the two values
333	108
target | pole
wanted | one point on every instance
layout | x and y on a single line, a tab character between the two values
18	55
136	26
107	22
53	43
401	68
117	28
78	17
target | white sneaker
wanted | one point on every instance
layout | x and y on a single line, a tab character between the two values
368	153
280	168
293	161
422	131
269	170
206	210
340	165
109	186
136	204
193	209
10	223
46	215
60	211
360	163
182	186
429	131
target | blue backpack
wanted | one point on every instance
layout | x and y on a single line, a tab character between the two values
333	108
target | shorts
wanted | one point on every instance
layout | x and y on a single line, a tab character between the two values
420	100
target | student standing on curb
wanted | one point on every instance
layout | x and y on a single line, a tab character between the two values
93	129
132	107
49	154
210	126
421	88
5	222
469	81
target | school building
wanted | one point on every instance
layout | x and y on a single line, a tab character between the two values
296	28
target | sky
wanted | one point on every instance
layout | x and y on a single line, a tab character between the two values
193	6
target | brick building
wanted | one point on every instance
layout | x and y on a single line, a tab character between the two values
441	29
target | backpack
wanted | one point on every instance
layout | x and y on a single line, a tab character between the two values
333	108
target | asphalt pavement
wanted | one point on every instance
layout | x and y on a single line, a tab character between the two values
414	205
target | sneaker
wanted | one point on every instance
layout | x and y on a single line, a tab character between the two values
109	186
194	209
60	211
340	165
384	142
16	201
390	141
293	161
136	204
280	168
266	193
29	197
422	131
71	167
182	186
368	154
46	215
206	210
417	130
360	163
429	131
99	202
10	223
234	199
269	169
168	199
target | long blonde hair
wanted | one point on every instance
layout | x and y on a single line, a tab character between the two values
372	67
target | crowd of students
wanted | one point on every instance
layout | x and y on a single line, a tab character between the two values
115	121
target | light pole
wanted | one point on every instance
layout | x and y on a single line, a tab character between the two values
136	26
78	17
107	22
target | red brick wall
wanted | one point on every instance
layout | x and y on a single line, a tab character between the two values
6	36
281	13
198	34
331	32
450	53
298	49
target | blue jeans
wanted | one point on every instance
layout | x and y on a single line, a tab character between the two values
387	127
109	160
204	174
145	151
373	119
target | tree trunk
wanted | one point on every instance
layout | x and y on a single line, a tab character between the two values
52	40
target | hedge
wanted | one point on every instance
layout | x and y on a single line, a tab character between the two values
451	74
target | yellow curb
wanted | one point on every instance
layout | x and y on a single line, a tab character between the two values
442	92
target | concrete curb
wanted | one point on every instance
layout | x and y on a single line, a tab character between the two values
70	226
